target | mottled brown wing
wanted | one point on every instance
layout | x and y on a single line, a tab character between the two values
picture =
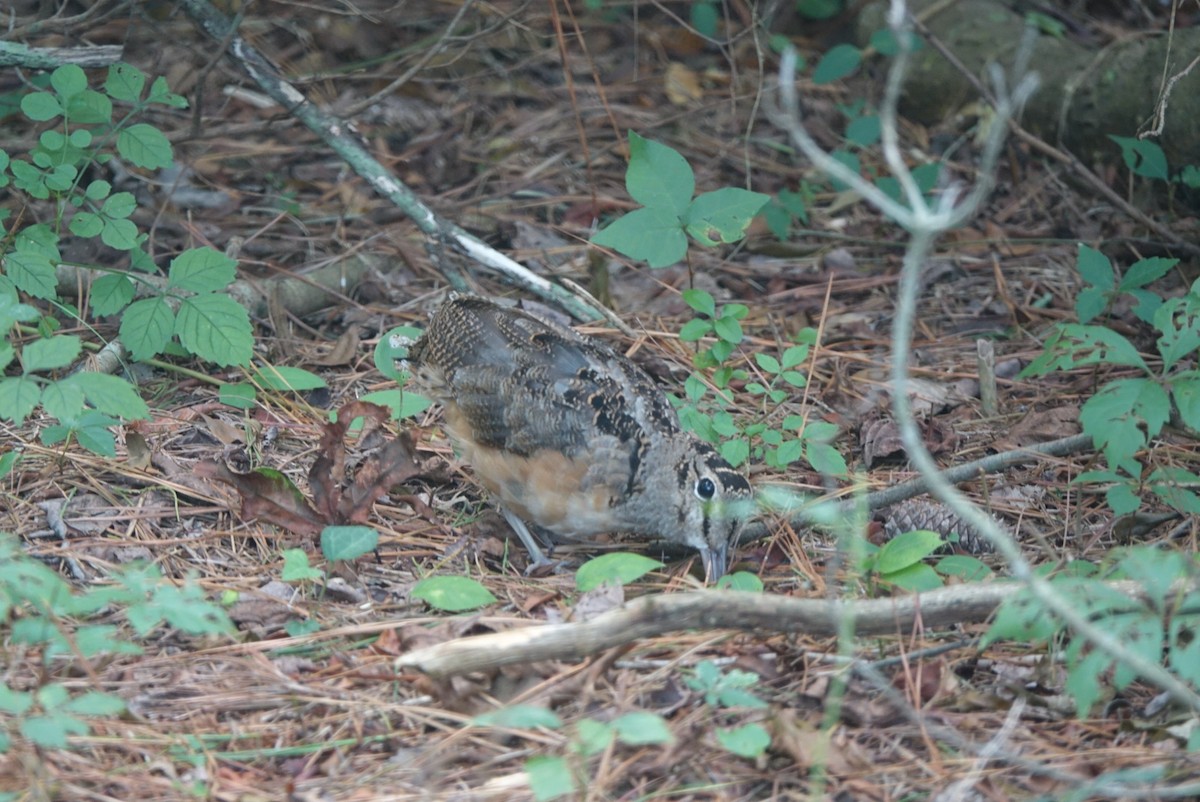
524	384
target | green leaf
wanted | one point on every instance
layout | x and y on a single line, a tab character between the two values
658	177
33	273
1094	267
701	301
592	737
121	235
1144	271
838	62
793	356
453	594
285	378
740	580
640	727
216	328
1090	302
296	567
347	542
967	568
723	215
201	270
695	330
402	403
145	146
50	353
549	777
619	566
907	549
1143	157
864	131
112	293
89	106
240	396
68	80
916	578
748	740
86	224
1186	392
41	106
64	400
111	395
735	452
160	93
93	703
728	329
767	362
652	234
519	717
18	397
146	327
704	18
392	347
125	82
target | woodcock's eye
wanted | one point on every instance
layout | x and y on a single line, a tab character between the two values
705	488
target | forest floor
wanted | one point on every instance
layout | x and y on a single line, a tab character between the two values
491	134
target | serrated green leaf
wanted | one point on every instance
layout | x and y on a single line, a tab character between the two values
620	567
50	353
1144	271
160	93
110	395
201	270
145	146
18	397
63	400
112	293
125	82
348	542
216	328
453	594
146	327
32	273
658	177
735	452
121	235
89	107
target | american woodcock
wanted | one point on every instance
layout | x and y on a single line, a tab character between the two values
571	436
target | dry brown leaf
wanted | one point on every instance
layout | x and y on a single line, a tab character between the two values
682	85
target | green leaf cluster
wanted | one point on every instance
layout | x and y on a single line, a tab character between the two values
732	690
1166	622
55	621
902	562
550	776
662	181
1125	414
87	127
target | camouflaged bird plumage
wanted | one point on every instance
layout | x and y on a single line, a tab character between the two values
572	437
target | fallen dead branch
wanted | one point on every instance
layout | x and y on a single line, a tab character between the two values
650	616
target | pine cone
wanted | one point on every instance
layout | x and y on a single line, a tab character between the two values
916	514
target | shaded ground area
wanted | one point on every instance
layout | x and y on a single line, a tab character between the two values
495	133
